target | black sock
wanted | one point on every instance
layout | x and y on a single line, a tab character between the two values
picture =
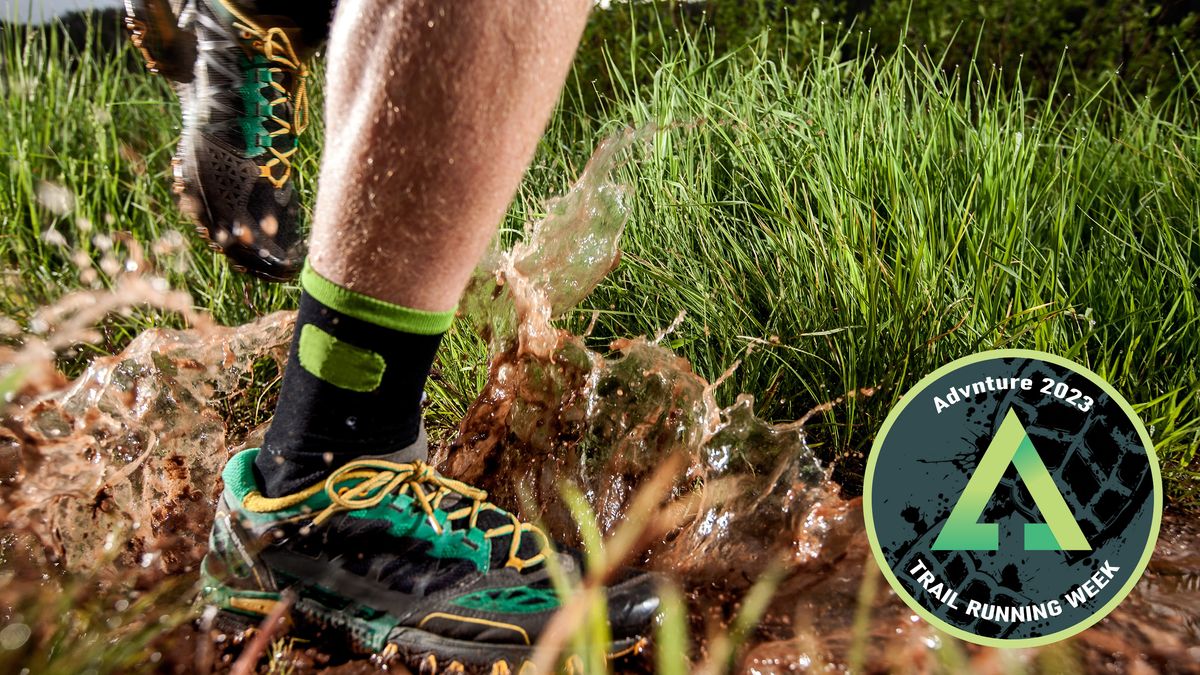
352	386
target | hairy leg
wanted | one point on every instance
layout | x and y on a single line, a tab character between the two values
433	113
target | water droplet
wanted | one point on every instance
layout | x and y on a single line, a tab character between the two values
109	265
54	238
14	636
54	197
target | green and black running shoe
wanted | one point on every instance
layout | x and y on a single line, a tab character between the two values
404	563
240	78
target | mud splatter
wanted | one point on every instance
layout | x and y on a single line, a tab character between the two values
118	470
553	409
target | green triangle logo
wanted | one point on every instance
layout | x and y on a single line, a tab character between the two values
1011	444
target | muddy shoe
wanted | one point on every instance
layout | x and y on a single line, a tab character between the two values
402	562
244	104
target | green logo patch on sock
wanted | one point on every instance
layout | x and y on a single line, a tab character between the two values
339	363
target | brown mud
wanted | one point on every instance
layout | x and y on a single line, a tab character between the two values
108	483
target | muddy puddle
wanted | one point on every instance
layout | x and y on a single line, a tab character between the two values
108	482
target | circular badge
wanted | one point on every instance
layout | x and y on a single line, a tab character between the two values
1012	498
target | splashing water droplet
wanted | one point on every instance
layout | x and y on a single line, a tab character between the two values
14	635
54	197
104	476
551	402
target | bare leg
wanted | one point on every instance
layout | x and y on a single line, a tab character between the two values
433	113
434	110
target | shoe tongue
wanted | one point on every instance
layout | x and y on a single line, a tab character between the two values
282	142
284	79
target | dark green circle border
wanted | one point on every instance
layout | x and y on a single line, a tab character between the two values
911	601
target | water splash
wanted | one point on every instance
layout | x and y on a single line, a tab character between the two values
554	409
119	469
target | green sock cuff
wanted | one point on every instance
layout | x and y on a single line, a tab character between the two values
239	475
372	310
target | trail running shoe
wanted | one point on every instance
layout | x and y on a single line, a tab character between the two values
241	83
403	563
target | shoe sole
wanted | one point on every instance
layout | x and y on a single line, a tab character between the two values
169	48
239	612
154	31
192	204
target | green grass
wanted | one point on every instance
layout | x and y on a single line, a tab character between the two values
849	222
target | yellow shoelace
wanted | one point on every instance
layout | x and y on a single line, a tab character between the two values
276	46
381	479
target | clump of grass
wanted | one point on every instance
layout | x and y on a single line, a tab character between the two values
579	633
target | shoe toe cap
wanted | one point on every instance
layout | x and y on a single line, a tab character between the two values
633	604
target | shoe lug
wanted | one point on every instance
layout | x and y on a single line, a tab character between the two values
429	665
501	668
177	183
156	32
455	667
633	650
